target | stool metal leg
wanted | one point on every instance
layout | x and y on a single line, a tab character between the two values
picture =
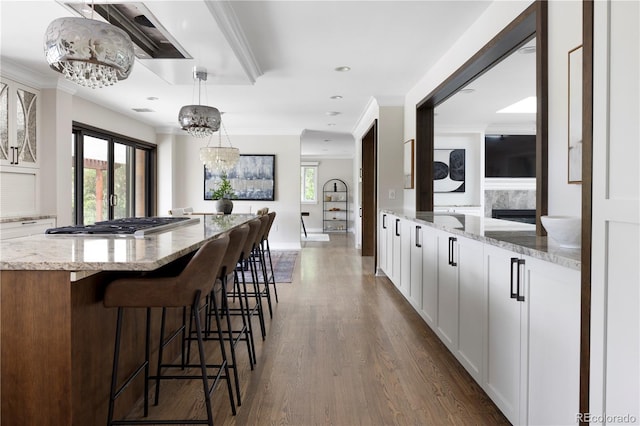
203	362
114	369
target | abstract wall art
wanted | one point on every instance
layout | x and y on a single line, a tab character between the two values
448	170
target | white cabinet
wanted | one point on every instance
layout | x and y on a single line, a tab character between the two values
19	116
396	244
19	142
533	338
429	243
405	227
383	243
502	371
552	301
461	299
23	228
415	278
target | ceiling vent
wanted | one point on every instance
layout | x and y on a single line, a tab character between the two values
150	38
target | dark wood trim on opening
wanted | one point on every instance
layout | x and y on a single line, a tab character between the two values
587	185
532	22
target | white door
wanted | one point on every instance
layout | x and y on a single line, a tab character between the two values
415	290
383	242
405	257
396	243
615	272
430	275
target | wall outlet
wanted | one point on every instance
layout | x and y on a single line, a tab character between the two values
392	194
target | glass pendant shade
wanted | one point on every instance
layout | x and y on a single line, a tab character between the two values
199	120
89	52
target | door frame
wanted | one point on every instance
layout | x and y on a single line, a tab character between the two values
369	191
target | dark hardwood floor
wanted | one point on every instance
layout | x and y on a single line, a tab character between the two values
343	348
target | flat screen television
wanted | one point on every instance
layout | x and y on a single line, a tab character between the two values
510	156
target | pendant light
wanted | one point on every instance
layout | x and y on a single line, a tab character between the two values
221	158
88	52
199	120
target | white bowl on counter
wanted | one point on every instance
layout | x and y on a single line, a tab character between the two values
566	231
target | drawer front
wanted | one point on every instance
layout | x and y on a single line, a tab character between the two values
25	228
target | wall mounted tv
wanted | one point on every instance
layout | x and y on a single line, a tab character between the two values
510	156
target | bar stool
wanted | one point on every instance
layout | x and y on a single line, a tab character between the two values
185	290
245	263
237	238
266	251
258	260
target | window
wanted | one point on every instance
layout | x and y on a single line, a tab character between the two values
112	176
309	183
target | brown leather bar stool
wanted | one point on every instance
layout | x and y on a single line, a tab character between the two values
266	252
187	289
244	264
237	239
258	260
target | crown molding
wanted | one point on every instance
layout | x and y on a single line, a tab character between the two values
230	27
23	75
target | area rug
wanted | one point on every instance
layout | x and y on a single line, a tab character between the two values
315	237
283	263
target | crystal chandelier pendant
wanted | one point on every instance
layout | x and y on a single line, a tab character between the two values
221	158
88	52
199	121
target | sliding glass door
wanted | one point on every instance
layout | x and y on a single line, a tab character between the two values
112	176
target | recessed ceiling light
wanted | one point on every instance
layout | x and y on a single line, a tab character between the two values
325	150
142	110
333	113
343	68
331	124
467	90
327	140
336	97
152	98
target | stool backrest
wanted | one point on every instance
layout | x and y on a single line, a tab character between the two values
264	224
254	228
168	291
237	239
262	211
272	217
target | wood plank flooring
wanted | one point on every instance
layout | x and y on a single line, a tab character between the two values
343	348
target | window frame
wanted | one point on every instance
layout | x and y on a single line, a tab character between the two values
79	131
303	166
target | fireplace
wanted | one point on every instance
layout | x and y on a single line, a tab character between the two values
515	215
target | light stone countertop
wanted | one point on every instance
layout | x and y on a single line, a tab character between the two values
112	253
10	219
518	237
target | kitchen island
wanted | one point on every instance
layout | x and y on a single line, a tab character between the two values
57	338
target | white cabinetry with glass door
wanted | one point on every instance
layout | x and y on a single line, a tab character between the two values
19	139
533	338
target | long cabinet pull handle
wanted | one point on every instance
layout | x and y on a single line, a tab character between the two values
31	222
384	221
520	297
514	261
418	243
452	260
13	155
397	232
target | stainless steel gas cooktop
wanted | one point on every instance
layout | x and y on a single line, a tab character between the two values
130	226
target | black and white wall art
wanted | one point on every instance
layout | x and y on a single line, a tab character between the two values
448	170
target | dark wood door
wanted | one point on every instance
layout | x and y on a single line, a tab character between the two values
369	188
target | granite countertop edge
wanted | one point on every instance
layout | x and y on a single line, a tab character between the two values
569	258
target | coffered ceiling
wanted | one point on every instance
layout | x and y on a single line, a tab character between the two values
271	64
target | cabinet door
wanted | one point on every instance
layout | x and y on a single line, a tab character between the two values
415	284
502	372
19	110
553	342
448	290
383	242
405	257
396	238
430	276
471	305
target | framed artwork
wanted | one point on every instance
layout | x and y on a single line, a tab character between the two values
253	178
575	116
408	164
448	170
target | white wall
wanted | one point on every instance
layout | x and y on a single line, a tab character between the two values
329	168
565	33
188	185
391	158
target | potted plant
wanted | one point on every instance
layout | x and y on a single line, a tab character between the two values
223	195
